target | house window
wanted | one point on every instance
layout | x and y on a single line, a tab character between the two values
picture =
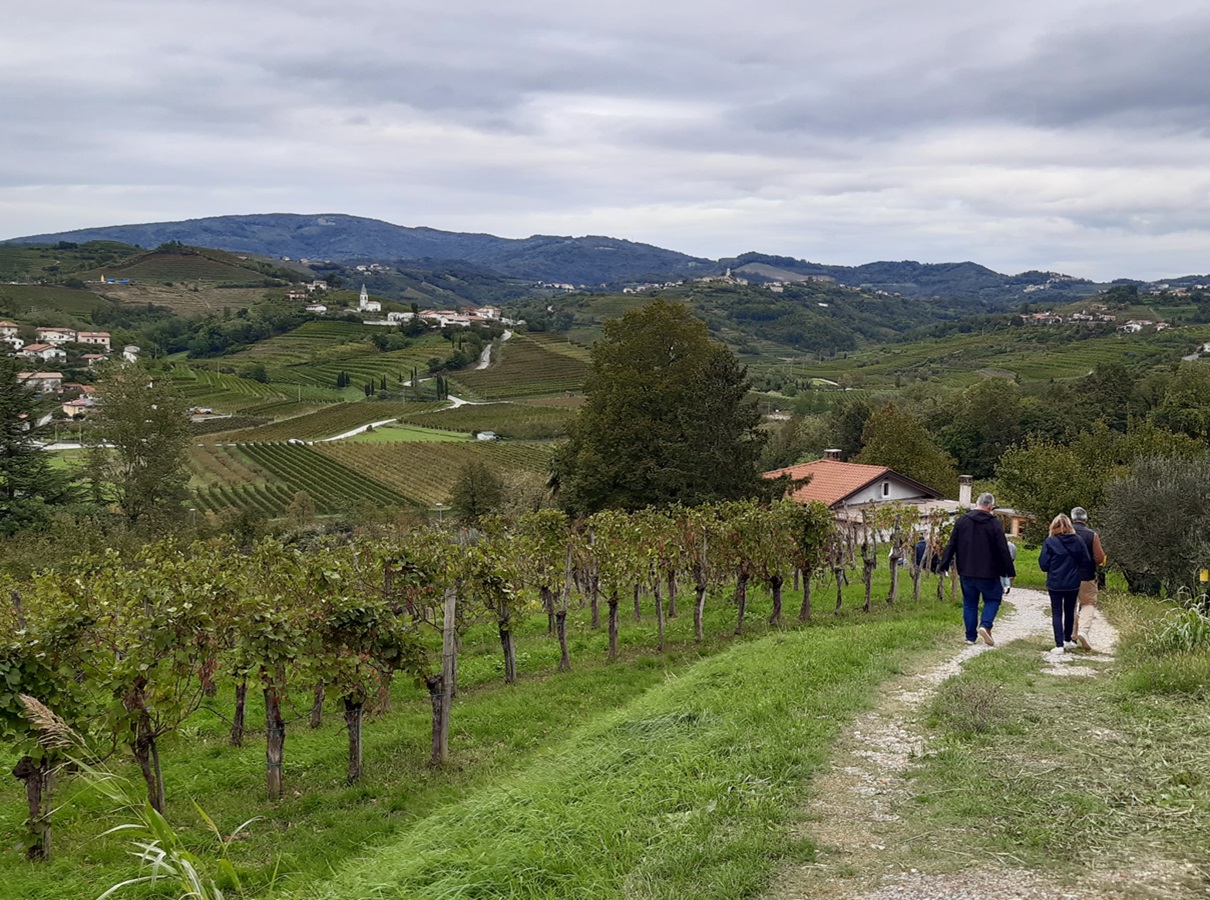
886	489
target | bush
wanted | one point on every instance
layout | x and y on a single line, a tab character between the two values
1156	520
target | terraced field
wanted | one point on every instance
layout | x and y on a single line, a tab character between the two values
966	358
334	487
425	472
511	420
28	300
308	343
526	368
559	344
210	265
329	421
367	364
227	393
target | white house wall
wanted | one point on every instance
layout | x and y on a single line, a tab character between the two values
900	491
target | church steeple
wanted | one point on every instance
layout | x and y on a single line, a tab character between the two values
363	299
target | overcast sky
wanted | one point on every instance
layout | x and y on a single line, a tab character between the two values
1068	135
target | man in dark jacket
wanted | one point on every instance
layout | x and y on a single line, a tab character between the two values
979	543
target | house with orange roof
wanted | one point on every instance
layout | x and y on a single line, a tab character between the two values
850	488
847	486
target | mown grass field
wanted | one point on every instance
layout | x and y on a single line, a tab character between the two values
328	421
398	432
660	775
510	420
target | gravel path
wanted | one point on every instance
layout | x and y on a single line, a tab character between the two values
853	816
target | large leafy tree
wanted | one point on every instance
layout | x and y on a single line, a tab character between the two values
139	435
28	485
896	439
1045	477
667	418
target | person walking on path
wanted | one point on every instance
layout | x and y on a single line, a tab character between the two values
1067	563
979	543
1004	579
1086	611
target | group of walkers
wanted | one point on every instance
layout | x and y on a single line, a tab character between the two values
986	566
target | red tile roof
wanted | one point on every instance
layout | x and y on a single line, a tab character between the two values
831	480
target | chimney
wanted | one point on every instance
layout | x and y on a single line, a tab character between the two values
964	490
834	454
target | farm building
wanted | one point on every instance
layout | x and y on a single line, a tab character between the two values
850	488
43	382
45	352
853	486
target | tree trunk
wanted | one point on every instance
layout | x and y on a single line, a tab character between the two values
672	594
437	702
37	777
839	574
449	674
209	666
548	604
510	651
594	599
317	705
867	578
894	593
796	579
638	610
659	615
917	574
561	630
145	752
775	584
382	700
699	610
804	612
237	721
613	625
940	587
353	718
158	770
741	601
275	742
954	583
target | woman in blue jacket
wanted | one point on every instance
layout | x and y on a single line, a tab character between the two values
1066	562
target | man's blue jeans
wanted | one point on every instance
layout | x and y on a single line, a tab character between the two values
992	592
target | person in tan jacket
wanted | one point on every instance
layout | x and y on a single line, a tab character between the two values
1086	613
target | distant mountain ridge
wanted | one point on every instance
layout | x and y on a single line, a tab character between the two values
589	261
583	260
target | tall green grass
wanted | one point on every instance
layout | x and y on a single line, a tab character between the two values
685	792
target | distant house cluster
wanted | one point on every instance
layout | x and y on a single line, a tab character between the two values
443	318
650	286
725	278
50	343
1052	278
1094	316
1157	290
304	291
